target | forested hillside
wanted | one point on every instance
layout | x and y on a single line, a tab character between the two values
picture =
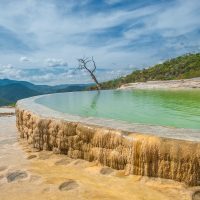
12	90
182	67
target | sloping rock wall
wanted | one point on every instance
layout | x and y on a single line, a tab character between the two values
136	153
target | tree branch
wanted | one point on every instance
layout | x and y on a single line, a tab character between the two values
94	65
83	65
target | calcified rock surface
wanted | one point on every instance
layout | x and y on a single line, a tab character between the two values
174	84
7	111
43	175
138	154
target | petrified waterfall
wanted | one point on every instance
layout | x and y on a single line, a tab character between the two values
136	153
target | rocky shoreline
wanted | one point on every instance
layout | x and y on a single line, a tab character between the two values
171	84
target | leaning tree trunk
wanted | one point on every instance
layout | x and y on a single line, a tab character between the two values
95	80
83	65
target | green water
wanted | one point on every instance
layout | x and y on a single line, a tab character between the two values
167	108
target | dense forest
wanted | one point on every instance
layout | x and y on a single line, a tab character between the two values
182	67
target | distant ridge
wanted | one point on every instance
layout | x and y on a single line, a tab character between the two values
182	67
12	90
15	91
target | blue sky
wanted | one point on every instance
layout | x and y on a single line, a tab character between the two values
40	40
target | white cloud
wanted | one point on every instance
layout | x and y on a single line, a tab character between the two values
24	59
10	72
53	34
46	78
53	62
8	66
180	18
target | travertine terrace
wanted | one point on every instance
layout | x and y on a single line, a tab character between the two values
136	152
172	84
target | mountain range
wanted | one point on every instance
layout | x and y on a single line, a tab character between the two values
13	90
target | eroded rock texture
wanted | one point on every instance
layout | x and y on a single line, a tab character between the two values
136	153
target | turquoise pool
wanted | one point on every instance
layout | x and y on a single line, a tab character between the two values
174	108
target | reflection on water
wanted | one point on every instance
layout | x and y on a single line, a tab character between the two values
95	99
176	108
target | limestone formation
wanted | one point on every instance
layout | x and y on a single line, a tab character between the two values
31	157
196	195
135	153
68	185
16	175
63	161
2	168
169	84
106	171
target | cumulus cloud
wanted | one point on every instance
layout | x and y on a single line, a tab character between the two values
53	62
129	33
10	72
8	66
24	59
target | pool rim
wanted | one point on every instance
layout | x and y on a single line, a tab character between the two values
30	104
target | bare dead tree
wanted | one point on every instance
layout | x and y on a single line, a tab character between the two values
86	63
